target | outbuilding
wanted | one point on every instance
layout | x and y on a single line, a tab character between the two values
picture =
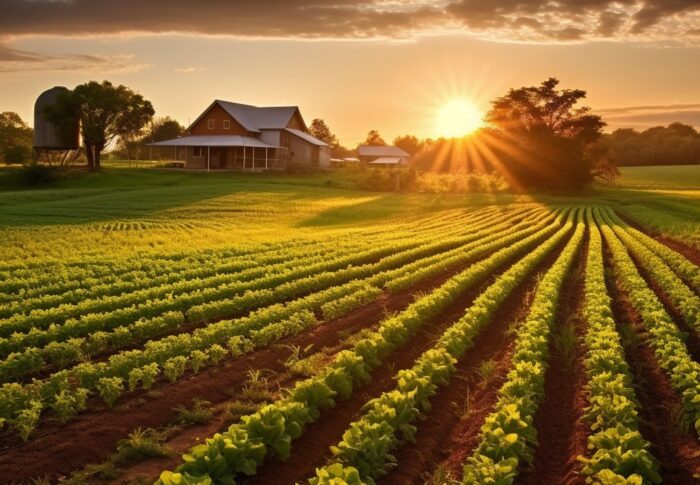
383	155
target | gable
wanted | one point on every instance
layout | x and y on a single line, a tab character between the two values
218	114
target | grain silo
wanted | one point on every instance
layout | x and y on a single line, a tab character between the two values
48	136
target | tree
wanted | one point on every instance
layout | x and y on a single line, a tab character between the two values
320	130
106	113
552	136
675	144
16	139
160	129
408	143
374	138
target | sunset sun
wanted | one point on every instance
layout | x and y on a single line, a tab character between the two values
458	117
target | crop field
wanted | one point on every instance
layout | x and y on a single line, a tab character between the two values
197	329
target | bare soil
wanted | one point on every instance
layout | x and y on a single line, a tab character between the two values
678	451
450	430
561	433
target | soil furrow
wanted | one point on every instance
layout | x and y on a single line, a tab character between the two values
677	451
92	436
446	436
561	433
691	339
311	450
689	252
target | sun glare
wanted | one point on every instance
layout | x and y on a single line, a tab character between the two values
458	117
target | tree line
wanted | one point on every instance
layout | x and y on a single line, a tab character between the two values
535	136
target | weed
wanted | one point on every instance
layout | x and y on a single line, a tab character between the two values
487	370
199	413
141	444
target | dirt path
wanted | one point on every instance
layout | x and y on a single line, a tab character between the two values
451	429
92	436
561	433
678	452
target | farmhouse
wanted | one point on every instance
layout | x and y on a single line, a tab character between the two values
381	155
239	136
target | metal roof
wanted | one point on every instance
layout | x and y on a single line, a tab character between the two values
271	118
214	141
306	137
388	160
254	118
380	151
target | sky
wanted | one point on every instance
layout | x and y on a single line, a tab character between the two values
387	65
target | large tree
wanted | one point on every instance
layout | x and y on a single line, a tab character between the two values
322	131
16	138
545	139
106	112
374	138
409	143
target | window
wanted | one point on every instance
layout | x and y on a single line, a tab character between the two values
197	152
211	124
227	124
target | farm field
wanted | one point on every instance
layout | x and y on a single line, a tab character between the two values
230	328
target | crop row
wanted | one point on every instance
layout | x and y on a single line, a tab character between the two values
271	430
682	297
684	268
197	289
105	334
57	279
172	355
617	450
508	435
665	338
366	447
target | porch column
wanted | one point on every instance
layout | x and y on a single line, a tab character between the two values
265	158
208	156
244	167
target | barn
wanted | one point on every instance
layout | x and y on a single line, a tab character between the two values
239	136
383	156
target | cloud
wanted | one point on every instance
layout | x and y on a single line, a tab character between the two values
510	20
16	60
642	117
190	69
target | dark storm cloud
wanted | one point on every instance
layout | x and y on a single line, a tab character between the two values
559	20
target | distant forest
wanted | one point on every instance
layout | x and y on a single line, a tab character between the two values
675	144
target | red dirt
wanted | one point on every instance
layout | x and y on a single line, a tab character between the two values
692	341
311	450
92	435
449	434
689	252
561	433
677	452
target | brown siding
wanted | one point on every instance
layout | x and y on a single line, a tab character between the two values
296	122
218	114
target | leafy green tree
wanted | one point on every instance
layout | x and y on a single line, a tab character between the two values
675	144
321	130
106	113
550	133
16	139
408	143
374	138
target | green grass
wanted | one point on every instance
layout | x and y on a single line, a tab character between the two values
125	211
675	177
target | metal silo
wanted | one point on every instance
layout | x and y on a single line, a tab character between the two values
48	136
